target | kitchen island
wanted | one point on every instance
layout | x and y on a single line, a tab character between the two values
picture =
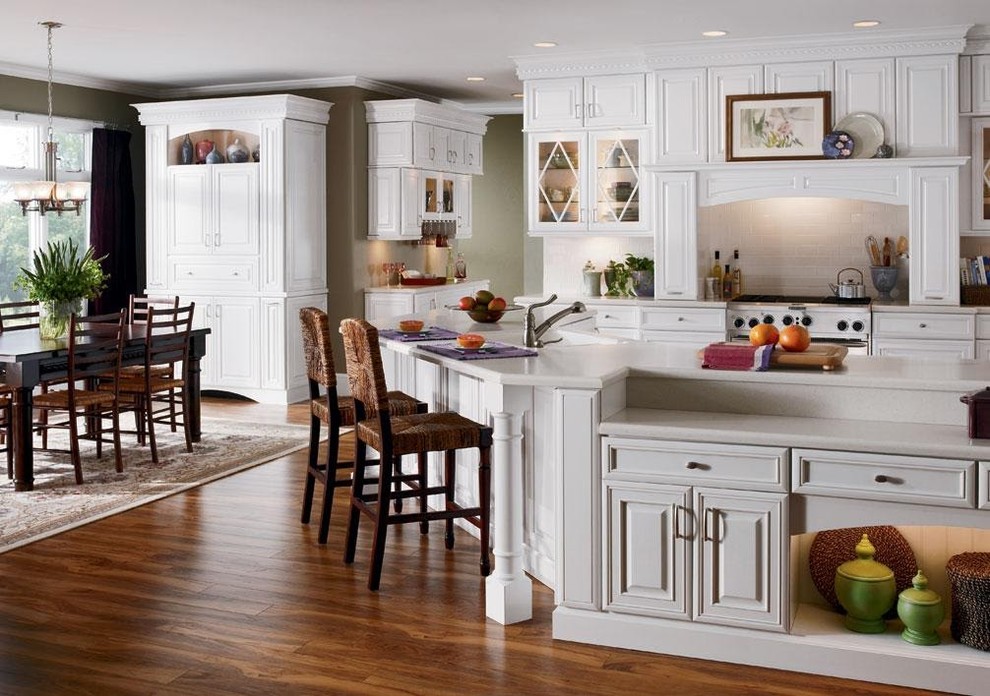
663	502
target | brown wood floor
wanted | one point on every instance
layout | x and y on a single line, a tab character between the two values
220	590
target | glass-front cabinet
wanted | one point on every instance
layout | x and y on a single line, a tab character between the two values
981	173
587	183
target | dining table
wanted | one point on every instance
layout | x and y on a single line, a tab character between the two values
28	359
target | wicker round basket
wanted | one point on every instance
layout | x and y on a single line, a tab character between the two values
969	574
833	547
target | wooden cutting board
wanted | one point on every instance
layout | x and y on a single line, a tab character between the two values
827	356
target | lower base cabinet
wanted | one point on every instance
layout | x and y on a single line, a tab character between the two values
700	554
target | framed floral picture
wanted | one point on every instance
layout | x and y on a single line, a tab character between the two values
784	126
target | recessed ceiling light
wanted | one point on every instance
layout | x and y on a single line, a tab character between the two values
517	95
546	44
475	78
713	33
866	23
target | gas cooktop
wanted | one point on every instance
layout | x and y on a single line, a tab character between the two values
799	300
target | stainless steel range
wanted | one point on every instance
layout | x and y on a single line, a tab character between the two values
828	319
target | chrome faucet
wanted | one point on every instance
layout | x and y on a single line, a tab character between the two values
532	333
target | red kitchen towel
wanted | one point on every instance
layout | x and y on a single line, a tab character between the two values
737	356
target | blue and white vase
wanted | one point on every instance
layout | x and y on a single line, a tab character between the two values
237	152
214	157
186	154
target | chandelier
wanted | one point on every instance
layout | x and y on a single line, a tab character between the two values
49	195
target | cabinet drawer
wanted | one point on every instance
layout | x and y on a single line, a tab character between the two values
983	325
626	317
676	319
760	468
924	325
698	338
933	349
946	482
983	489
216	276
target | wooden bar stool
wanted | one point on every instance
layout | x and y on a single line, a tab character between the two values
393	436
336	412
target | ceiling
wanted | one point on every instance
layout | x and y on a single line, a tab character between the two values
423	46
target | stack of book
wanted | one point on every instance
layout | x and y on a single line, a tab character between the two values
974	271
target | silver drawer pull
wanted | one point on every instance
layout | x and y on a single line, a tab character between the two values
697	465
923	326
676	511
680	318
882	478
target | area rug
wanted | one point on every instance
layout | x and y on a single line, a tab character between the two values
57	504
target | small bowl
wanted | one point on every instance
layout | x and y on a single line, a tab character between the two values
470	341
486	316
410	325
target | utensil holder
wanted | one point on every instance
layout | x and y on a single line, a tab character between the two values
884	279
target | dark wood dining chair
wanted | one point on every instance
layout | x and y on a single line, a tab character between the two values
157	390
394	436
139	305
336	412
14	316
95	345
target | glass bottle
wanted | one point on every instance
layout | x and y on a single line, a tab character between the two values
736	275
717	274
450	264
727	283
460	267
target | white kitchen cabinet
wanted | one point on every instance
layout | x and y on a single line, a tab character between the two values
592	102
916	348
924	334
810	76
722	82
980	84
682	116
700	326
401	199
695	552
246	241
927	105
934	236
980	174
381	303
866	85
213	209
587	183
676	275
463	207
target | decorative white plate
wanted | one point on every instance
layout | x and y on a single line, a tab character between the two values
866	130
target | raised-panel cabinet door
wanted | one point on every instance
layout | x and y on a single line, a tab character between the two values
462	205
866	85
413	204
235	321
810	76
740	558
381	305
980	82
677	268
682	116
615	100
927	105
934	237
235	209
384	200
554	103
722	82
390	144
456	149
203	319
189	216
647	549
473	154
425	152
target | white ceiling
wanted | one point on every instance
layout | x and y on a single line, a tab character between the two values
426	46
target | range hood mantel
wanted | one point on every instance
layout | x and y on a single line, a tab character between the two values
878	180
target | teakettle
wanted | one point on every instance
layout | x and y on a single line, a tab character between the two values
848	289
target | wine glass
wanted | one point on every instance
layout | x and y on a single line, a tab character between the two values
400	268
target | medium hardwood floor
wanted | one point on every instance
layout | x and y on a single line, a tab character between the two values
220	590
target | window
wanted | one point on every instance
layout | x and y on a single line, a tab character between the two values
21	159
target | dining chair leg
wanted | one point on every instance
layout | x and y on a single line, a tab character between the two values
115	420
314	445
397	501
449	469
184	397
94	426
381	523
423	471
333	451
148	412
74	448
485	498
357	489
171	409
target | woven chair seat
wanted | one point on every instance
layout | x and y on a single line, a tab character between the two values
135	385
84	399
426	432
399	404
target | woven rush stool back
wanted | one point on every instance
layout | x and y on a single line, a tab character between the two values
316	346
364	364
969	574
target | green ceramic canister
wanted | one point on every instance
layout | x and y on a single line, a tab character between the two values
866	590
921	611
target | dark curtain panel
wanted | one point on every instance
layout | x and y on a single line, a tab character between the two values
112	226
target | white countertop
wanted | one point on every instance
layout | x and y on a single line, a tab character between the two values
414	289
631	301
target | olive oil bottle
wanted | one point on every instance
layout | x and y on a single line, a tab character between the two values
736	275
717	274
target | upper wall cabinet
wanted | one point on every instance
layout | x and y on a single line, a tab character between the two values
420	160
866	85
813	76
682	116
974	84
586	102
722	82
927	105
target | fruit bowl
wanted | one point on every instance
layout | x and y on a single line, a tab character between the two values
485	315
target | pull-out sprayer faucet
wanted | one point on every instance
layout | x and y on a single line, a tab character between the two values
532	333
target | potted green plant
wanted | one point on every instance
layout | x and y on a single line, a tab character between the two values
60	279
641	273
617	279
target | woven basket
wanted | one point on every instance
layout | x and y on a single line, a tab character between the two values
974	295
969	574
833	547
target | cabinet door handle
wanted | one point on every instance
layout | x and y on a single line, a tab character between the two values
217	312
680	318
209	311
579	110
470	158
676	512
433	153
706	533
216	239
700	466
692	465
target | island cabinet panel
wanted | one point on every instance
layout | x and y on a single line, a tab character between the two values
902	479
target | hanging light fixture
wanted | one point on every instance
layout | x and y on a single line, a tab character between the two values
49	195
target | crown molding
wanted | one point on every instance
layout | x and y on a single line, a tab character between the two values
978	40
681	54
490	108
74	80
295	84
419	111
235	109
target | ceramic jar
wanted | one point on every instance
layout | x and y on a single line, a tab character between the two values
186	152
921	610
203	148
866	590
236	152
214	157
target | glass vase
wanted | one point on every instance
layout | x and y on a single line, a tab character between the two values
53	321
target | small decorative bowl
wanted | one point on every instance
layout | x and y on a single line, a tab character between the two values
410	325
470	341
838	145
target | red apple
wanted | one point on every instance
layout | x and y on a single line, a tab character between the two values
497	305
466	303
